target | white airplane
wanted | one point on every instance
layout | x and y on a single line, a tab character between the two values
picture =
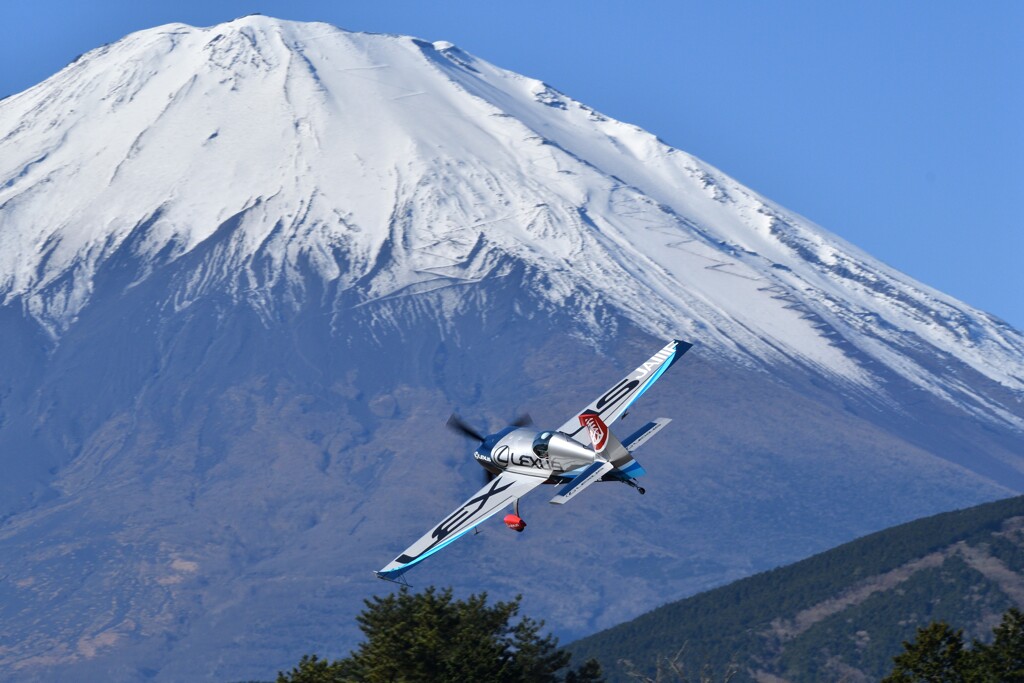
518	459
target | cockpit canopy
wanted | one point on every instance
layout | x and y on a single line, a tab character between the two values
540	444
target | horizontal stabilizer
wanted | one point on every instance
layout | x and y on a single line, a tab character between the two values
585	478
640	436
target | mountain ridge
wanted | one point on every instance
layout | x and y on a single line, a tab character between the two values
841	613
629	199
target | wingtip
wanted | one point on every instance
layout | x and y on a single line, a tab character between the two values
682	346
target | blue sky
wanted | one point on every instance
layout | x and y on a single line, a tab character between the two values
897	125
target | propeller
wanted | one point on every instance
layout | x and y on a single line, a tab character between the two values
457	424
523	420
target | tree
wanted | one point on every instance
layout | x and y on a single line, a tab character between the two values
312	669
430	636
936	655
1003	660
588	672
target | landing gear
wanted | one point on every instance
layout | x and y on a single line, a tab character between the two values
639	489
514	521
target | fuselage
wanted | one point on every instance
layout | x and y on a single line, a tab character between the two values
550	455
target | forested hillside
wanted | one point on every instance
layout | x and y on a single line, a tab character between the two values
842	614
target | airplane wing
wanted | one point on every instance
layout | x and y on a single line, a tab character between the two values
495	495
617	400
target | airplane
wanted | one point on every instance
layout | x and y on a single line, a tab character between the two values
519	458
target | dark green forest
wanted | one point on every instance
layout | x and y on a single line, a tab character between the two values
840	614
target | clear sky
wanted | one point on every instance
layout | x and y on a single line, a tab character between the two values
898	125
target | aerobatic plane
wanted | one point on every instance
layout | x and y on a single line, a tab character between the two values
520	458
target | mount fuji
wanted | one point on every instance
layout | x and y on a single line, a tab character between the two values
247	271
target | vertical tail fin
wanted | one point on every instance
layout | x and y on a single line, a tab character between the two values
597	428
606	445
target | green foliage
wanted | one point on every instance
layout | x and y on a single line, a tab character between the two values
430	636
588	672
1003	660
312	669
938	655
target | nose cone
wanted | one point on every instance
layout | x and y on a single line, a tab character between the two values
483	451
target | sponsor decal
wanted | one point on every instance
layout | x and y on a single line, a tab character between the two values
597	428
616	394
503	457
654	363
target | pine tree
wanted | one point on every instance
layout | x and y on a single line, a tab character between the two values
588	672
936	655
1003	660
430	636
312	669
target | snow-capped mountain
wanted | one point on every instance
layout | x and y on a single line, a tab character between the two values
395	166
247	270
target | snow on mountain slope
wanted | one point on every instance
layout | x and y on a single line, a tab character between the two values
392	166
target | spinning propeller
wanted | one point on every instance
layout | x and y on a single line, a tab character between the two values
457	424
523	420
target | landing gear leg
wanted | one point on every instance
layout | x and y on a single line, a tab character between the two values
639	489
